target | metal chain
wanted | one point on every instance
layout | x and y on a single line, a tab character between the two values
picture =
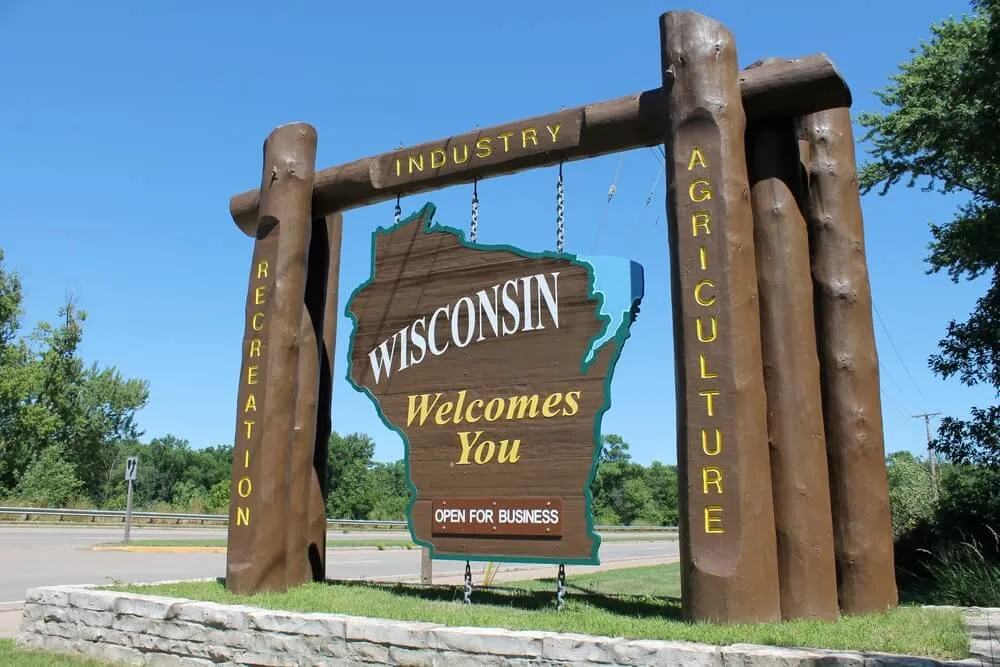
561	587
474	225
560	213
468	583
398	213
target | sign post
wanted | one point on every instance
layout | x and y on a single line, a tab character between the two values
131	468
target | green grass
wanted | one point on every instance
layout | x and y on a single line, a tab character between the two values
15	657
623	603
221	542
649	581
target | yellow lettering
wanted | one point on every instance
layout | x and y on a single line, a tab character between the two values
485	455
522	403
249	424
255	348
703	258
505	136
529	133
710	519
484	146
701	219
244	487
711	476
701	333
704	193
551	401
435	154
554	131
465	154
242	516
417	162
571	400
512	456
708	401
257	322
696	158
468	411
704	443
398	172
703	367
262	269
697	292
425	408
258	295
251	404
463	439
443	411
252	374
494	409
246	458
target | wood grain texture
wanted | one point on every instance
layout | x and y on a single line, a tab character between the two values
304	545
799	476
728	554
244	505
416	273
849	364
333	225
782	87
286	186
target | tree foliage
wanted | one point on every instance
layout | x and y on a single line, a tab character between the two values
942	128
911	492
50	400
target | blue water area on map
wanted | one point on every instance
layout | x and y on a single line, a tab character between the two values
620	283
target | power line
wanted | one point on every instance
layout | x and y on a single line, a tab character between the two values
611	195
899	356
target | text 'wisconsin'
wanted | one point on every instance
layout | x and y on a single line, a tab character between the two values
521	300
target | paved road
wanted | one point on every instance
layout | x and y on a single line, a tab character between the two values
40	556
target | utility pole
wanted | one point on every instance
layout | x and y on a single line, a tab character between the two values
931	455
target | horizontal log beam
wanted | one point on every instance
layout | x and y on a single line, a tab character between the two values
770	88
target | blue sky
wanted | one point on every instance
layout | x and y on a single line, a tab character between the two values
127	126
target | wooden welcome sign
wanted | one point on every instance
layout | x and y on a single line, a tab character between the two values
494	365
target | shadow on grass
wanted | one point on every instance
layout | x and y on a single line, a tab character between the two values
633	606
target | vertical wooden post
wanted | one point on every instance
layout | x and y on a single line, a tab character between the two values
849	364
302	546
331	230
258	528
729	569
799	476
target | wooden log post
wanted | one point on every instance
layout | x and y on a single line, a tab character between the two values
331	231
257	557
729	570
849	365
302	546
799	476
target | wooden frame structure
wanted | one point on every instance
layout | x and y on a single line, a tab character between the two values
783	499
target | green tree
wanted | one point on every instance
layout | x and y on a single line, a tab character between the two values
662	481
912	499
219	496
942	128
349	459
51	481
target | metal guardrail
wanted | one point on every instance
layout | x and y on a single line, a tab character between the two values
60	513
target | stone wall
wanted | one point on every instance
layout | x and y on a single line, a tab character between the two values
150	630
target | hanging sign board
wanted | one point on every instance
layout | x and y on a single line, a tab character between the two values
494	365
